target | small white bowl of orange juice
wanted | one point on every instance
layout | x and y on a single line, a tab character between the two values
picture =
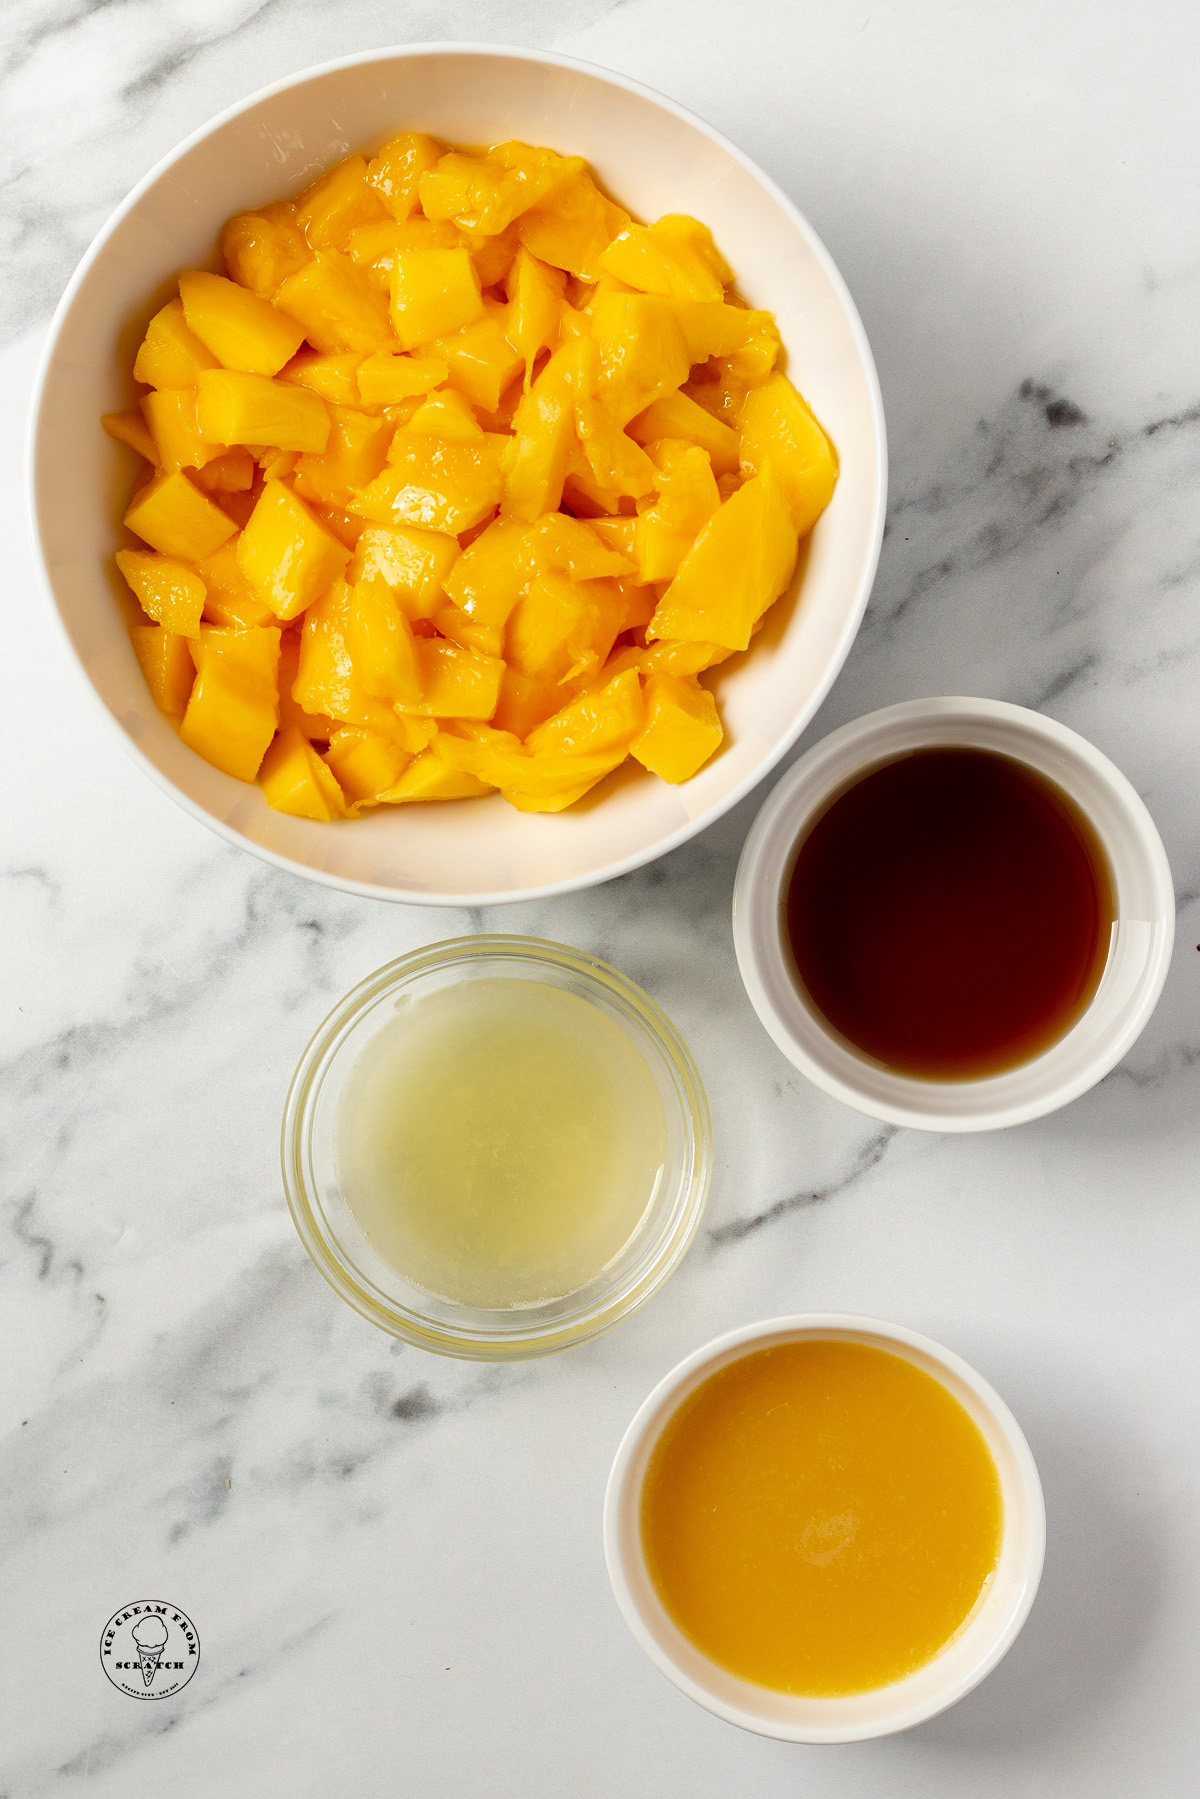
824	1528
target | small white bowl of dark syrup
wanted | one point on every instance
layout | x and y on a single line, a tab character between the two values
954	914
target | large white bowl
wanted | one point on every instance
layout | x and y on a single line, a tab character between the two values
656	158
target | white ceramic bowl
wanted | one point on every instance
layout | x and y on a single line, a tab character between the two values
657	158
1139	954
981	1642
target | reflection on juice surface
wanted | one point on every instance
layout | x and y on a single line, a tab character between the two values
500	1141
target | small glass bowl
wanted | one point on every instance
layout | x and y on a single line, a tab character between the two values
380	1292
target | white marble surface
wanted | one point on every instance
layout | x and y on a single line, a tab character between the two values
394	1562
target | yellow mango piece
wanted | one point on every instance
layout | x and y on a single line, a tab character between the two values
777	424
316	726
130	428
414	563
176	519
493	256
560	628
415	734
434	292
167	665
438	485
171	355
364	764
573	226
229	597
446	415
682	729
618	467
338	201
230	471
374	248
237	408
561	545
678	415
481	360
352	457
382	645
459	627
396	172
643	352
738	566
327	680
242	331
263	248
294	779
718	328
387	378
666	258
429	778
167	590
525	700
543	436
233	711
543	782
619	534
687	499
171	416
535	301
455	682
601	720
491	574
287	555
666	658
336	305
334	377
478	193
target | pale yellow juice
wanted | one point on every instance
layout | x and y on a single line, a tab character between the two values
500	1141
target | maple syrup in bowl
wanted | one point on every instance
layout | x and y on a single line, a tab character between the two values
954	914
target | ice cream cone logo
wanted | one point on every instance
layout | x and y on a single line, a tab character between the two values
150	1639
149	1649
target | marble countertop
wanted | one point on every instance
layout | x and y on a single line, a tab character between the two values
394	1562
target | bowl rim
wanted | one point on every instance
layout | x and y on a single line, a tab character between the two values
587	975
653	1415
690	827
758	935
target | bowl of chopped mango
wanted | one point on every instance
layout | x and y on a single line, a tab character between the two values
459	472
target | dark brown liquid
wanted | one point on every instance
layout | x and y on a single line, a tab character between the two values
950	913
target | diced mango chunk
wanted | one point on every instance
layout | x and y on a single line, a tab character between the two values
242	330
294	779
233	711
387	378
364	764
573	226
261	249
396	172
430	778
167	590
434	292
167	665
454	682
236	408
414	563
437	485
682	729
287	555
176	519
676	257
381	644
130	428
334	377
338	201
336	305
678	415
777	424
171	355
738	566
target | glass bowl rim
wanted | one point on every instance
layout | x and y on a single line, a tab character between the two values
588	974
